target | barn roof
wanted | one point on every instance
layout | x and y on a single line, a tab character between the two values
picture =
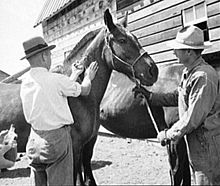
50	8
3	75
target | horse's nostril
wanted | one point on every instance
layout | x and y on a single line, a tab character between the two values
153	71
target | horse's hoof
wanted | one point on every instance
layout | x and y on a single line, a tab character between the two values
90	183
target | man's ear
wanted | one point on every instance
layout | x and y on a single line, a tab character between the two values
44	56
189	52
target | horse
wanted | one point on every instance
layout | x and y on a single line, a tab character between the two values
118	111
114	48
128	117
119	106
121	114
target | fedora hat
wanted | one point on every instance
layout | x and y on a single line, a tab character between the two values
190	37
34	46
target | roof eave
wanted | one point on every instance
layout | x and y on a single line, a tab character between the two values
40	20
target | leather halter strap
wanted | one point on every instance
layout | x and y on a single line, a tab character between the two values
142	53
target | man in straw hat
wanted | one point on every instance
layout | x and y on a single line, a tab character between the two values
44	100
198	102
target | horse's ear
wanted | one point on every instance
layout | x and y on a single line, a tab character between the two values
109	21
124	21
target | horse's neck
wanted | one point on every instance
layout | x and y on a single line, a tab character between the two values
95	51
100	83
169	77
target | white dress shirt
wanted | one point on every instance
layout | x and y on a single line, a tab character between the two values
44	98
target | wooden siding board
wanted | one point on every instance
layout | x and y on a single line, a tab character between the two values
162	47
159	37
169	56
152	9
214	34
156	18
170	12
161	15
148	29
136	7
208	2
161	56
154	26
124	3
159	27
214	21
214	48
213	9
157	48
164	56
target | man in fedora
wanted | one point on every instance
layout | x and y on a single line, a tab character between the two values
198	101
44	101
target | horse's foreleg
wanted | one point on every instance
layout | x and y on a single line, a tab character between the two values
77	158
79	177
87	156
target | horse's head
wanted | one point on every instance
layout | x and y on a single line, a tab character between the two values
125	54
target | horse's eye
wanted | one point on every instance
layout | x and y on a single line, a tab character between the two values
122	41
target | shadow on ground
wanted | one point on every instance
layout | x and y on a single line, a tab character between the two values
100	164
25	172
15	173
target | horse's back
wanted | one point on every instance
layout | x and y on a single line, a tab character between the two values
11	113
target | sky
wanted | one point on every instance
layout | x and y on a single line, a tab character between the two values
17	18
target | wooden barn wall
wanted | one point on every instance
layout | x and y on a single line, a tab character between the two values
67	28
156	22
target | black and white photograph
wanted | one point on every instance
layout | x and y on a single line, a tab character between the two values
109	92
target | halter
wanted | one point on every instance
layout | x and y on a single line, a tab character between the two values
143	52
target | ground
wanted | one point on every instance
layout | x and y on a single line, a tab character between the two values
116	161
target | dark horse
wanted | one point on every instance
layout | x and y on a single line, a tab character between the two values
129	117
114	47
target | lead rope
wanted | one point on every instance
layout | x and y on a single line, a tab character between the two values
138	84
157	130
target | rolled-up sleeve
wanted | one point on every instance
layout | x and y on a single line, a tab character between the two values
69	87
201	97
165	99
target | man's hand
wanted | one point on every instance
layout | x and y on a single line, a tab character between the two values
3	133
91	70
58	69
89	76
141	90
12	144
77	68
162	138
5	163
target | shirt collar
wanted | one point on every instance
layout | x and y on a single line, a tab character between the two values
197	62
189	69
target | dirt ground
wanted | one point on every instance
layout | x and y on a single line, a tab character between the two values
116	161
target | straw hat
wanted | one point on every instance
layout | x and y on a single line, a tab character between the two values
34	46
190	37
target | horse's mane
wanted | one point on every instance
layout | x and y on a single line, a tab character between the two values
84	42
78	51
